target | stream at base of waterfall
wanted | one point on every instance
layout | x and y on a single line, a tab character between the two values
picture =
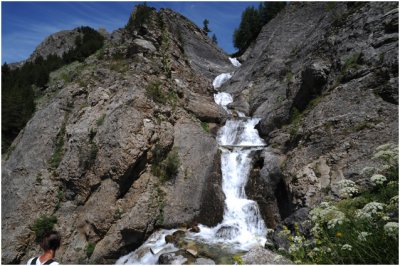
242	227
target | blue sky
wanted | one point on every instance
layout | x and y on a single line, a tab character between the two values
26	24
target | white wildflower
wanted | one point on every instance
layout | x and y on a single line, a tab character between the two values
394	201
347	247
371	210
388	153
347	189
326	214
378	179
363	236
316	230
339	219
392	184
324	205
392	229
297	240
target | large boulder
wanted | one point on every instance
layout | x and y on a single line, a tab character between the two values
262	256
195	194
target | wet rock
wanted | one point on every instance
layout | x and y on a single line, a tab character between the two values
195	229
227	232
179	234
192	252
268	188
169	239
171	258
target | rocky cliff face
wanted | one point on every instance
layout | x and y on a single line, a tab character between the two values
57	44
104	128
324	79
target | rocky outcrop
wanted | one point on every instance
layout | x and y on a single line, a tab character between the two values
57	43
324	80
88	156
203	56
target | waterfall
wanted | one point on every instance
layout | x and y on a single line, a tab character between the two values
242	226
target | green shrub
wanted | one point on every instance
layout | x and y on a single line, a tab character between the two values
100	120
139	16
171	164
205	127
155	92
165	167
90	249
59	149
43	225
119	65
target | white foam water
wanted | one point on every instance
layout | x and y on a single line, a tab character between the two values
150	251
242	226
221	79
235	62
223	99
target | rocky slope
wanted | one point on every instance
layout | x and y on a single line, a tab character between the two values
324	79
322	76
89	154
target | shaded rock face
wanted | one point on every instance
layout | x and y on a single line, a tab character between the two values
266	186
324	81
87	154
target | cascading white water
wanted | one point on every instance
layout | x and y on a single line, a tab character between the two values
242	226
149	252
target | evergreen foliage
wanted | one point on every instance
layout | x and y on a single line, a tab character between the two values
205	26
214	39
17	84
252	21
139	17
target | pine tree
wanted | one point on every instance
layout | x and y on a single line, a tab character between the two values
248	29
205	26
214	39
252	21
